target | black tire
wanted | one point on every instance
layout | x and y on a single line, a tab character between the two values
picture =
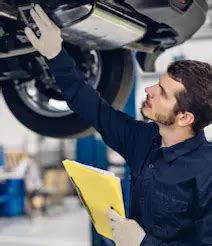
114	86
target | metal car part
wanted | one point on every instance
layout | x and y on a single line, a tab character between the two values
177	16
99	30
17	52
25	14
8	10
67	15
41	102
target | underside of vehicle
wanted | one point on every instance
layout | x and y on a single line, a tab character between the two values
101	36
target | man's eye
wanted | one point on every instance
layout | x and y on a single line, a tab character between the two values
163	92
161	89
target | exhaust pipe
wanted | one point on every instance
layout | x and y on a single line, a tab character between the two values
101	29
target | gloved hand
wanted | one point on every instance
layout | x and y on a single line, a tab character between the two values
50	42
125	232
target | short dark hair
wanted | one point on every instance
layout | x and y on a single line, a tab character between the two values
196	77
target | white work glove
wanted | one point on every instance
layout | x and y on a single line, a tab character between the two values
125	232
50	42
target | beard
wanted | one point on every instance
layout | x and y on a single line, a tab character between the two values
166	120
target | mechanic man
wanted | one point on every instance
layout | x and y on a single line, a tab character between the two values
170	159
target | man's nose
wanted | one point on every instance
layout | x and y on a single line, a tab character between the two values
149	91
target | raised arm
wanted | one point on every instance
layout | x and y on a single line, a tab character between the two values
117	129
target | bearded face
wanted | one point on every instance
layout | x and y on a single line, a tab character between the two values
160	104
159	117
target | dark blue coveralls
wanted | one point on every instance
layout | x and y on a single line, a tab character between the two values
171	187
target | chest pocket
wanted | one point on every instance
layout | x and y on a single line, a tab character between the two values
167	208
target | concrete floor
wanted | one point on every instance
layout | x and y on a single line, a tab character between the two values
67	228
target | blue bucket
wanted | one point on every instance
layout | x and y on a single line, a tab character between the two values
12	197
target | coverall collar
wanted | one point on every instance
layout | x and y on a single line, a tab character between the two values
173	152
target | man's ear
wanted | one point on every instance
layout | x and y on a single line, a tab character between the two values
185	119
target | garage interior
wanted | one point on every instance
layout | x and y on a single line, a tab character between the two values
38	203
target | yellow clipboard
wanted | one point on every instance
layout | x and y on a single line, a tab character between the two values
98	190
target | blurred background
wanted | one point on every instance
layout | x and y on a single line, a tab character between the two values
38	204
